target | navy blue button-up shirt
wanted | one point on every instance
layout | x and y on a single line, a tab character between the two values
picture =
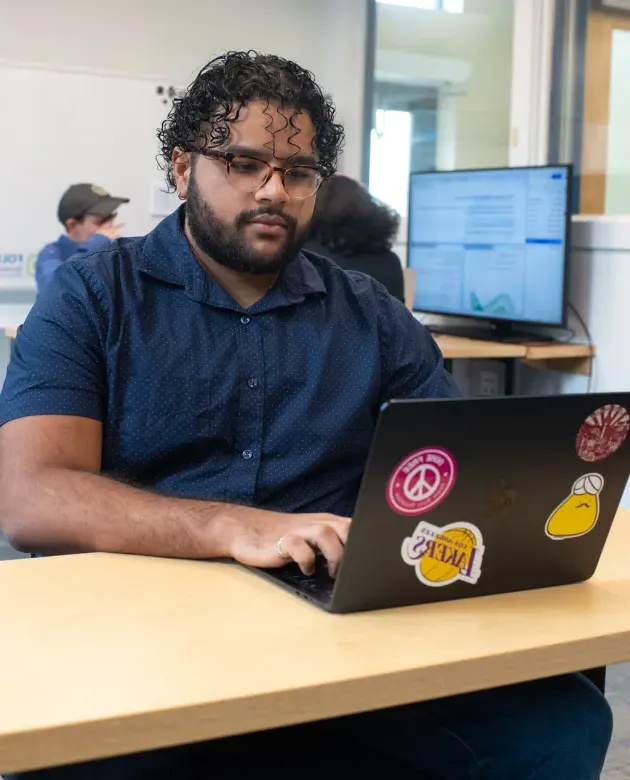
274	406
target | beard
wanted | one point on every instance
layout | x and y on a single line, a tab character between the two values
226	242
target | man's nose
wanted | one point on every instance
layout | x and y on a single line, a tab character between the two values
273	190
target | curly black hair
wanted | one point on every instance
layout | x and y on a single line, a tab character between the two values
202	116
348	220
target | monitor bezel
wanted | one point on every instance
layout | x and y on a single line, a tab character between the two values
497	321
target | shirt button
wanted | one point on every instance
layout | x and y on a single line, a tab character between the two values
245	319
247	454
252	383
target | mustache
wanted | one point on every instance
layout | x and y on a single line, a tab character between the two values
268	211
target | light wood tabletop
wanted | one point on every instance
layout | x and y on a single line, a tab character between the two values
10	333
106	654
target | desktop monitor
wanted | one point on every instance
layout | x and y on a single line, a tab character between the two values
491	245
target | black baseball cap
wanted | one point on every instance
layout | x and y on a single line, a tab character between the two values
82	199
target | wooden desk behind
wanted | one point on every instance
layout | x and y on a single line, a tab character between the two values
106	654
10	333
567	357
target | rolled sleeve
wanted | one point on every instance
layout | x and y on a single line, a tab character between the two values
57	365
413	365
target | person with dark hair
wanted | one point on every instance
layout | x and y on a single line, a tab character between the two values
211	391
88	214
357	232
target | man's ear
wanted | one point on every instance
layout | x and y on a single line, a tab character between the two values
71	224
181	162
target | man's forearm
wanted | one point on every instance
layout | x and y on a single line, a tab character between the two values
69	511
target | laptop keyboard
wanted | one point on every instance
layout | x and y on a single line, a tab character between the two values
318	585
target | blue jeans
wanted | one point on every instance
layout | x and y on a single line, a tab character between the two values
556	729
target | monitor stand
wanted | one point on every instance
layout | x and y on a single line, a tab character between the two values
503	332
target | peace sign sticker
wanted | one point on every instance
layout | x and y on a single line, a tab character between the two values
421	481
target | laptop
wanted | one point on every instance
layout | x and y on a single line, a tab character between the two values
471	497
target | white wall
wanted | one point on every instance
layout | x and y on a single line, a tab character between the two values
480	37
599	279
77	145
166	40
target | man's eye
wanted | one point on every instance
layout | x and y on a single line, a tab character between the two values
301	174
246	166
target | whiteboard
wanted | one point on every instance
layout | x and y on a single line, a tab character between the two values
61	128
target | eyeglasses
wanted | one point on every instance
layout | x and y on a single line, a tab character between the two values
249	174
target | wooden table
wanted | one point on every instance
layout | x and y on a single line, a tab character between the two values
105	654
10	333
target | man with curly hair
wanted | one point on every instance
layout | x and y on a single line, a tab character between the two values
210	391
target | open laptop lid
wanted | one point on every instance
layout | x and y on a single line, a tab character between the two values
497	469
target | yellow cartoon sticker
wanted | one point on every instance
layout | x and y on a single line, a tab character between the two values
579	511
441	556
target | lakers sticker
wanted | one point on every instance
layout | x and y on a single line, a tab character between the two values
441	556
579	511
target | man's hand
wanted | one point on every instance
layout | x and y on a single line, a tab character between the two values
110	229
254	541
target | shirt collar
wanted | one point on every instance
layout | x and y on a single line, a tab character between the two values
167	256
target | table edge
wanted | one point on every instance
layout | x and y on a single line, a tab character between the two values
137	732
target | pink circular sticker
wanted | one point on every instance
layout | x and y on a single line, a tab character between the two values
602	433
421	481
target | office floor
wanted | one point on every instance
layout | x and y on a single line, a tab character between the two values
618	692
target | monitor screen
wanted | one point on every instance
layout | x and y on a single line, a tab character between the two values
491	244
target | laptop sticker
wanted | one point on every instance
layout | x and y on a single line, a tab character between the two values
602	433
421	481
578	513
445	555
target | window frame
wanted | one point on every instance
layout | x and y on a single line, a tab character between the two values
533	38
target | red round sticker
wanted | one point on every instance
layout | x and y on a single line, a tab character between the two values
602	433
421	481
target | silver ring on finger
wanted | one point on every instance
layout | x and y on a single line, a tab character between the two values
280	548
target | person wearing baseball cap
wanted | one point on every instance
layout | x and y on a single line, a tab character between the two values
88	214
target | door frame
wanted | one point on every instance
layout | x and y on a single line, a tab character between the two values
532	69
